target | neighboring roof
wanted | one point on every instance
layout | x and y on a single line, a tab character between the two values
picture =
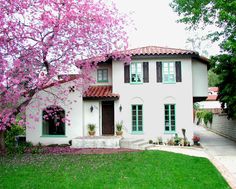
214	89
212	93
100	92
211	98
155	50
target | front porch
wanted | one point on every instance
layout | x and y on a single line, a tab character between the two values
96	142
110	142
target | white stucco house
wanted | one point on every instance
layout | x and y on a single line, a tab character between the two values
153	96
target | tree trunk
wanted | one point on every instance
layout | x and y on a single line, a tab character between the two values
2	142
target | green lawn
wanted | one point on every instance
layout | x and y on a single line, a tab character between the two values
147	169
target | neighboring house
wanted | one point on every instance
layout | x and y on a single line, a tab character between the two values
153	97
211	103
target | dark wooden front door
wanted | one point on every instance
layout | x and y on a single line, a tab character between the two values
108	118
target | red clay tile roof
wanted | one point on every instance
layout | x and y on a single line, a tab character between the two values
214	89
100	92
211	98
155	50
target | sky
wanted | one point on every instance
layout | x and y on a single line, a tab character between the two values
156	24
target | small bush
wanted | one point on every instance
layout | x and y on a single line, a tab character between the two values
150	141
160	140
208	117
176	139
204	115
171	142
10	139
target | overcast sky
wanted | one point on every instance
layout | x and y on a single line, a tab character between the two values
156	24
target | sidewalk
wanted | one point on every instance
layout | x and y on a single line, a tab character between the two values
221	151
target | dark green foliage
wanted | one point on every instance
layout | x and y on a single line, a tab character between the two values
227	85
205	116
176	139
221	13
10	140
208	117
213	78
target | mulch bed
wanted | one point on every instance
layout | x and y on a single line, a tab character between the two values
68	150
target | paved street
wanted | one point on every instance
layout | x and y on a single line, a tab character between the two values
222	152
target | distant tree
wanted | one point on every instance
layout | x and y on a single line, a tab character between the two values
222	14
197	43
40	39
213	78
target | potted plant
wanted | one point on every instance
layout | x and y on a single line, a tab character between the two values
196	140
159	140
91	129
119	127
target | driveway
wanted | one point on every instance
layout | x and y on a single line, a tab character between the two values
222	153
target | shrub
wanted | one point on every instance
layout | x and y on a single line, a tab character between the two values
10	139
176	139
208	117
171	142
204	115
159	140
150	141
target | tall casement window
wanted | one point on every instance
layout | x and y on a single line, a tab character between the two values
102	75
137	118
53	121
136	72
170	118
168	72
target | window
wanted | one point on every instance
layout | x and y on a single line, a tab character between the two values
53	121
170	117
169	72
102	75
136	73
137	118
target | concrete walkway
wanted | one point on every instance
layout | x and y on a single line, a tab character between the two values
190	151
221	151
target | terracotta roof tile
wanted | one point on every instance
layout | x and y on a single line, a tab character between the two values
155	50
211	98
214	89
100	92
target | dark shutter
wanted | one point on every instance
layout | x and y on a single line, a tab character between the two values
145	72
178	71
159	71
127	73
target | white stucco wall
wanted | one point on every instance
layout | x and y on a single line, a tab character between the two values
92	117
153	96
200	79
209	104
73	107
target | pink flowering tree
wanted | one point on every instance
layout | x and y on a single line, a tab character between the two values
39	39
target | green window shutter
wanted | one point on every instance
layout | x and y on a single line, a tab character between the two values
159	71
145	72
178	71
126	73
